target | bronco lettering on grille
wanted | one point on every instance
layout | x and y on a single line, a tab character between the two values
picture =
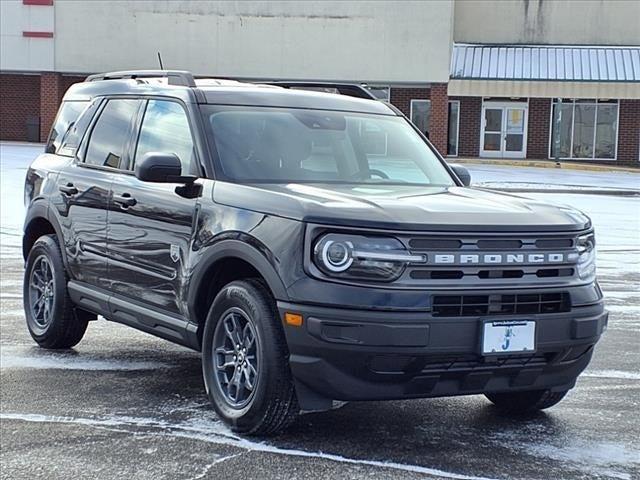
497	258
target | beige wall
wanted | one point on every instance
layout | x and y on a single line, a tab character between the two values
21	53
375	41
594	22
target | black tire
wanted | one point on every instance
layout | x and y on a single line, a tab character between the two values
525	402
62	327
271	405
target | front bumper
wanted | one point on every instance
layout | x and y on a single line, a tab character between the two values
354	354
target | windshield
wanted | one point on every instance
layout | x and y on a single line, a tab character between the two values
280	145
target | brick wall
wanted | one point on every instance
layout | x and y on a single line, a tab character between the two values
19	100
439	121
438	125
629	133
68	80
539	123
401	97
50	97
469	134
52	88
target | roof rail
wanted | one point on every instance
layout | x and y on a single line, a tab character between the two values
175	77
348	89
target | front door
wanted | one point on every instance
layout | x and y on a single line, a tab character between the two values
504	130
151	225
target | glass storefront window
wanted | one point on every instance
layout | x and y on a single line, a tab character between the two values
584	125
421	114
565	111
454	123
606	131
588	129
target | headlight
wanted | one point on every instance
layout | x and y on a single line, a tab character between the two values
359	257
587	256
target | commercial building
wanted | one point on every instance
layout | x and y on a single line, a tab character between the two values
539	79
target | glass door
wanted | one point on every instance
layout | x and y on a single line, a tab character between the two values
492	135
504	132
514	134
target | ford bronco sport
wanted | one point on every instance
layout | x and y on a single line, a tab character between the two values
313	246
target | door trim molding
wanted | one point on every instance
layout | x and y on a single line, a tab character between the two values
120	309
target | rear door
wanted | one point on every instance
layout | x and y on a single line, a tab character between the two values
151	225
85	188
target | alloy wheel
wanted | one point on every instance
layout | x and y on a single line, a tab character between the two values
236	357
41	291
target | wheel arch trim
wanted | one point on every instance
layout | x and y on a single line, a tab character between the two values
39	210
231	248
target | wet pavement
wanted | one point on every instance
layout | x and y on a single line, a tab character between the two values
123	404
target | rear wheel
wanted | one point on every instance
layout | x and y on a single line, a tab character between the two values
51	319
245	361
525	402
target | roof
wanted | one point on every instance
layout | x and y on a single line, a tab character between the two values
224	92
263	96
546	62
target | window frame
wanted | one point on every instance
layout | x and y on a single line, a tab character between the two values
587	101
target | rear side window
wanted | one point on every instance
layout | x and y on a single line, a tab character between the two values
67	115
165	128
75	132
110	134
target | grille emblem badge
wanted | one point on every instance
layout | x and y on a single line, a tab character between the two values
497	258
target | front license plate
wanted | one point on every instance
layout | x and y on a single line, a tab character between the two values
509	337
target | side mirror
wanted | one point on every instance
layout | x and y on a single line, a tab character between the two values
462	173
161	168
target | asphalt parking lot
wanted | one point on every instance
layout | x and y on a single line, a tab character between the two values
123	404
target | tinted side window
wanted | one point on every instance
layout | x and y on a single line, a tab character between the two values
110	133
68	114
165	129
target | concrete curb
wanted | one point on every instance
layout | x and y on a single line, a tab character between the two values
545	164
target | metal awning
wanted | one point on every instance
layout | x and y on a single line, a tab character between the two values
545	71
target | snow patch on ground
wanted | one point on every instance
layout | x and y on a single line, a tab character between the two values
612	374
594	458
598	455
217	433
504	174
11	358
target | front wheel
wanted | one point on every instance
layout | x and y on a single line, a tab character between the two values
525	402
245	361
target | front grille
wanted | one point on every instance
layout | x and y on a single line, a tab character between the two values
507	304
458	363
491	260
474	362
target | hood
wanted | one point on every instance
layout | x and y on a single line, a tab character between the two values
402	207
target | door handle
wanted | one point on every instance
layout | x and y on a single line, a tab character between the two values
68	189
125	200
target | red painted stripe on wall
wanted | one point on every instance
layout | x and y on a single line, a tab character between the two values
38	34
37	2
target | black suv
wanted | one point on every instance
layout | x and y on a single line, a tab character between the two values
313	246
